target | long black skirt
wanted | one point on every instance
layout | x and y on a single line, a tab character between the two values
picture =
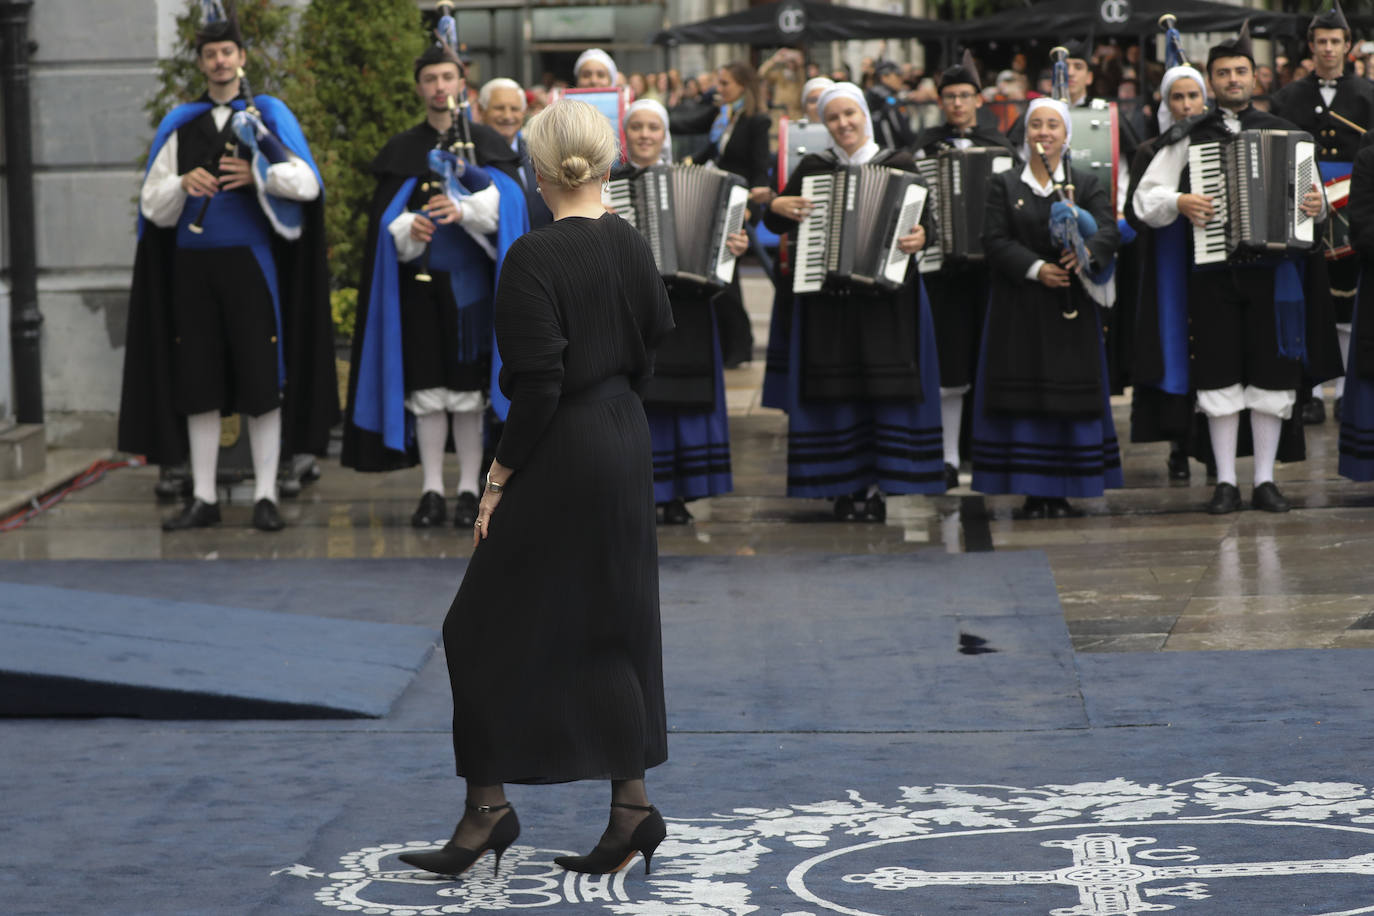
554	646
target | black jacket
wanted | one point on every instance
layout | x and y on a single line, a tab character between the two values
1301	103
746	153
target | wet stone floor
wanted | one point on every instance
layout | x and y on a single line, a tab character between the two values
1145	569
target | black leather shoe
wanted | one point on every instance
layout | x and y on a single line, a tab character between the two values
1314	412
1267	498
1062	508
1225	500
195	514
845	509
464	510
266	517
1034	507
605	860
951	476
675	512
1178	466
430	512
875	508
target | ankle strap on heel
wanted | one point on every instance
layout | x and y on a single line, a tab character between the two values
486	809
632	807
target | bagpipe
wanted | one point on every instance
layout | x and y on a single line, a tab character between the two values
452	171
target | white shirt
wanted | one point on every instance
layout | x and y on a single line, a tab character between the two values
861	155
162	197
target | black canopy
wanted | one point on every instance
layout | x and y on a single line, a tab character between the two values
1063	19
793	22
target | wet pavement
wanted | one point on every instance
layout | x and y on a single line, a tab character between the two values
1146	569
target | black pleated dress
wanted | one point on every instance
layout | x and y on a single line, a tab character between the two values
553	641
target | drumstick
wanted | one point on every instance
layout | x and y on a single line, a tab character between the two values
1347	122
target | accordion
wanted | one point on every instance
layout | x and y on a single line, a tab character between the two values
958	181
857	215
686	212
1257	181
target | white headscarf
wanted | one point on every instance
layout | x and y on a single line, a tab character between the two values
855	94
811	85
1171	76
598	55
1060	108
666	156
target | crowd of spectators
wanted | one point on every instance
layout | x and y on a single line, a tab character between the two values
1117	74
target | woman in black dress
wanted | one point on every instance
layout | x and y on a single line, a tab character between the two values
737	141
1042	421
553	640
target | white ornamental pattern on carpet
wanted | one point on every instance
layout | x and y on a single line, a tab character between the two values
1112	864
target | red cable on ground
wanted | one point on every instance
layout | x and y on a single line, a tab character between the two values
92	475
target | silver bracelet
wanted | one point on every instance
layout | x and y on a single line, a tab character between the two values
494	487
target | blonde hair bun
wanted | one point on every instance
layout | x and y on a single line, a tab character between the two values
571	144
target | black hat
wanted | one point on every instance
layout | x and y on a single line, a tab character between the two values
437	54
963	72
1080	50
218	24
1234	47
1331	19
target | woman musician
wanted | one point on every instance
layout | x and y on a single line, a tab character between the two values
863	377
1042	421
685	399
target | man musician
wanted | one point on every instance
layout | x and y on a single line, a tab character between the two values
422	353
958	291
229	310
1237	357
1336	107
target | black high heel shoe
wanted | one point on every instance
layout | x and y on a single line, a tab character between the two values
454	859
604	860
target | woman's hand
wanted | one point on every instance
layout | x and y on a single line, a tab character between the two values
760	195
1053	276
791	207
1069	261
499	475
913	241
737	242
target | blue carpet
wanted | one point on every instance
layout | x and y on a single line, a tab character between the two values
71	652
816	765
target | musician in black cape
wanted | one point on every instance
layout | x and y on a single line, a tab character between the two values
684	401
1335	106
422	351
863	374
959	290
234	317
737	141
1080	85
1042	419
1162	401
1357	411
1257	328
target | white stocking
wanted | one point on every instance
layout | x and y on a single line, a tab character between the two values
1343	336
951	418
264	435
467	441
1224	430
202	429
1265	429
431	429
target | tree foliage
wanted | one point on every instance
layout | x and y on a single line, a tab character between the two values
351	85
